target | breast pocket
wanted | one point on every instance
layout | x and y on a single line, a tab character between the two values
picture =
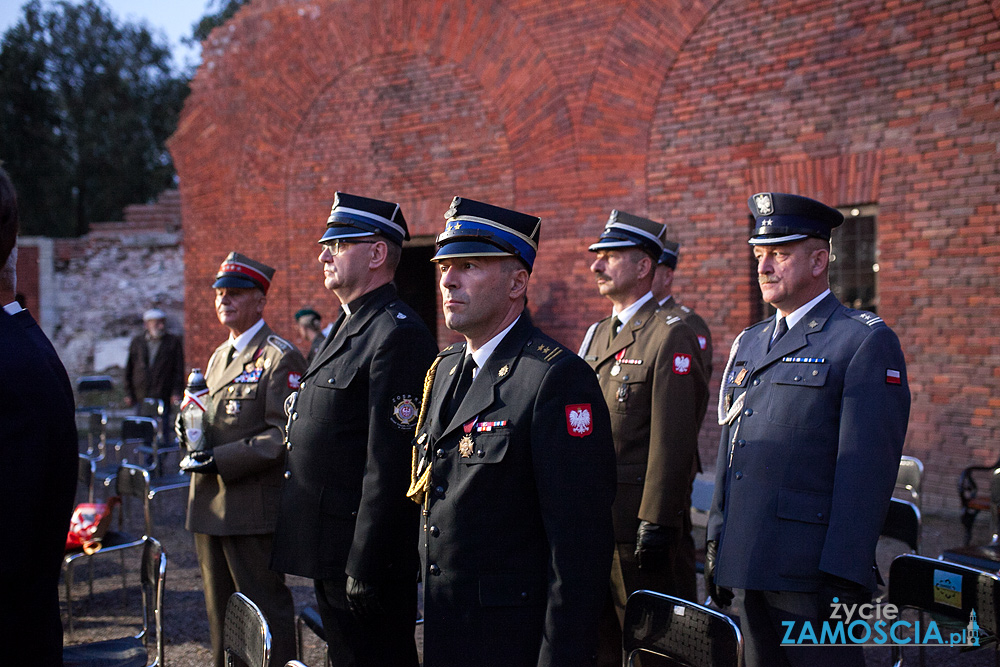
483	448
797	390
332	387
630	384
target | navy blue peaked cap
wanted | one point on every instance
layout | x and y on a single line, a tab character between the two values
475	229
356	217
783	218
624	230
671	251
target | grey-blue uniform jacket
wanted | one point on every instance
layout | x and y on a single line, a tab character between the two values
811	438
517	536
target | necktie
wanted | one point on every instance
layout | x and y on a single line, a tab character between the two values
461	387
616	326
232	353
780	331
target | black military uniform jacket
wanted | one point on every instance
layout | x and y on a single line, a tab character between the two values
343	503
811	438
517	536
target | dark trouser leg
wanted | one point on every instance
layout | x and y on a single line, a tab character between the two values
219	586
380	642
761	616
249	559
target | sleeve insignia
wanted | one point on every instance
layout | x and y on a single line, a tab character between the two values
294	380
682	364
578	420
404	411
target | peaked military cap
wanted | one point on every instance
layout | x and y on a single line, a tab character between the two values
782	218
355	217
624	230
671	251
240	271
475	229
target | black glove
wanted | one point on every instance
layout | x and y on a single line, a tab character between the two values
363	598
179	431
723	597
202	462
653	542
846	591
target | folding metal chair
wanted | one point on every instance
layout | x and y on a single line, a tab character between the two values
902	522
982	556
247	637
132	651
668	627
310	618
910	478
164	444
945	590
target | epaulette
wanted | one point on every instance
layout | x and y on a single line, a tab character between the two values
863	316
454	348
672	319
394	310
546	350
280	343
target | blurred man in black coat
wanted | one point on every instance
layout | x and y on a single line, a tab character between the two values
38	450
344	518
515	466
155	366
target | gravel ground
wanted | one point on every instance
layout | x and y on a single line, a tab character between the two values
102	615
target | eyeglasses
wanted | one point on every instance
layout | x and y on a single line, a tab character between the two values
339	247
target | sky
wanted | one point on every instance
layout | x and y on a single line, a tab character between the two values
171	17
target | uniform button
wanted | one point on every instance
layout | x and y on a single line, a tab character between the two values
524	595
331	380
434	531
756	381
295	415
748	412
741	443
289	446
434	569
288	474
797	378
815	372
819	515
480	453
232	389
439	491
739	475
440	453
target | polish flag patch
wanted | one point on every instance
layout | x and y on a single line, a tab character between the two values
579	420
294	380
892	377
682	364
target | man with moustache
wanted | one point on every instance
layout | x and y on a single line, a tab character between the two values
649	367
344	520
514	465
236	482
813	409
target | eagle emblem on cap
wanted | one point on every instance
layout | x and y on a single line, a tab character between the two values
453	211
763	203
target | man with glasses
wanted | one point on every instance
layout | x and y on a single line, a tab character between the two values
344	519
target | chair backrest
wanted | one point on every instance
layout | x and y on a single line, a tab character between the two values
152	580
902	522
662	625
945	588
247	636
910	477
139	430
85	474
151	407
133	481
97	432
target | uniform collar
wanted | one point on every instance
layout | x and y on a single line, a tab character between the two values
793	317
481	355
629	311
241	341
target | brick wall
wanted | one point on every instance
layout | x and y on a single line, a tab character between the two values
677	110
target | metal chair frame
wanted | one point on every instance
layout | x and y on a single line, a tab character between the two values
912	585
152	580
910	477
680	630
982	556
247	636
